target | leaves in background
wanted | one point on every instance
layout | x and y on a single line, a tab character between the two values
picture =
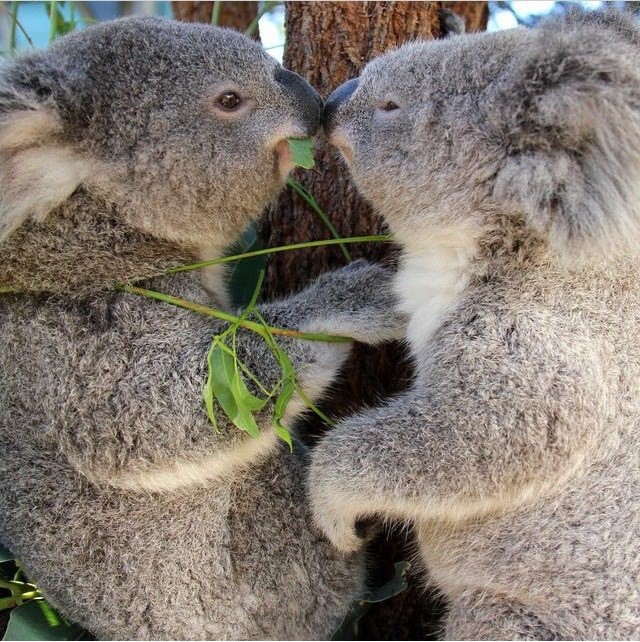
5	554
244	274
348	629
36	620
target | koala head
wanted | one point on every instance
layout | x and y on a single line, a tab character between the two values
539	127
181	126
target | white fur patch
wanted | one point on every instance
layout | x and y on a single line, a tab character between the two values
214	277
185	473
433	273
36	180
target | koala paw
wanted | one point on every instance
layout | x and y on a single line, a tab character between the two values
340	532
335	513
359	301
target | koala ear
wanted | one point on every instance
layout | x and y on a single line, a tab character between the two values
451	24
568	112
37	171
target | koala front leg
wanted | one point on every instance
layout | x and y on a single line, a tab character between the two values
356	301
456	445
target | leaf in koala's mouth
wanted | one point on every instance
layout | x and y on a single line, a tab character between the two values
302	152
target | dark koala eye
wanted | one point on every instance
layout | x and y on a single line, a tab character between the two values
229	100
389	106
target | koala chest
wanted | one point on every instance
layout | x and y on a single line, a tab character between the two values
430	282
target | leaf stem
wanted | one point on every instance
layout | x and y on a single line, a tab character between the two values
231	318
215	14
16	600
282	248
266	7
53	20
13	14
306	195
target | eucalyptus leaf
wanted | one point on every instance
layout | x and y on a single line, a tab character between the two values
245	274
302	152
33	621
398	583
230	391
280	407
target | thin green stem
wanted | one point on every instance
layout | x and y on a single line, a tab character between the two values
53	20
315	206
231	318
17	600
12	32
215	14
313	407
253	25
17	23
283	248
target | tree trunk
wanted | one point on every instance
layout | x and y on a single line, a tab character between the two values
236	15
328	43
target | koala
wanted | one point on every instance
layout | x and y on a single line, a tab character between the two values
125	149
507	166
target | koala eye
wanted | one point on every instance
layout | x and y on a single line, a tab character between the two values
229	100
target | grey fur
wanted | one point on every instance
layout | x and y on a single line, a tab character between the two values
510	175
135	518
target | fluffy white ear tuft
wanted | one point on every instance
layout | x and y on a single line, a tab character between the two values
567	111
37	172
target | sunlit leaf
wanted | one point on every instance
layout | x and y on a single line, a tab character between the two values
230	391
302	152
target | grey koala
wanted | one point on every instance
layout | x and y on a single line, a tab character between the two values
508	167
125	149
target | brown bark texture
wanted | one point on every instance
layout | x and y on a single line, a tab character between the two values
328	43
236	15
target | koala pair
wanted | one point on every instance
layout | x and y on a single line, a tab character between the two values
125	149
508	167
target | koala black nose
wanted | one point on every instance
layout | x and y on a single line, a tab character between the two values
340	95
305	96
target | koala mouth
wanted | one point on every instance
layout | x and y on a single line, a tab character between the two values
339	139
284	159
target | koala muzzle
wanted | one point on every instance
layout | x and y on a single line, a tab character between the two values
305	97
339	96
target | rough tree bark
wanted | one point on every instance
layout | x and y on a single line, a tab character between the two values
236	15
328	43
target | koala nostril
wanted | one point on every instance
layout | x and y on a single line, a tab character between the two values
339	96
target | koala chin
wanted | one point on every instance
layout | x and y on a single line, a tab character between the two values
508	167
124	149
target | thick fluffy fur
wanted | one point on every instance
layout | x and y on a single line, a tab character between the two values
510	174
134	516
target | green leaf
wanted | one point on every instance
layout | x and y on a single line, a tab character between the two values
227	386
6	555
244	274
280	407
33	621
302	152
398	583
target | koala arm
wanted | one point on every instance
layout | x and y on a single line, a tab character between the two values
356	301
485	428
